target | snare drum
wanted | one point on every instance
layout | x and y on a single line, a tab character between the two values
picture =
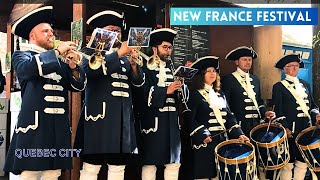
235	160
272	146
308	142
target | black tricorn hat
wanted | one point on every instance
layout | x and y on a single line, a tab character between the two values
284	60
242	51
205	62
23	26
106	18
160	35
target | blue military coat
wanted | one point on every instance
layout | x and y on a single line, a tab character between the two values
202	124
240	104
107	123
160	126
285	105
42	134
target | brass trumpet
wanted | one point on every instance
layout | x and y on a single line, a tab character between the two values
153	62
139	59
67	56
95	60
141	56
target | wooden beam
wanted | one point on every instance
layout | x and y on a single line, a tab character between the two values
167	15
10	51
79	11
268	45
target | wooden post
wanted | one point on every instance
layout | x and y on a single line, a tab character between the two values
268	45
9	50
79	11
316	57
167	15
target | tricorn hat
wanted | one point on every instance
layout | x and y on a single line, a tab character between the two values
242	51
160	35
106	18
23	26
205	62
283	61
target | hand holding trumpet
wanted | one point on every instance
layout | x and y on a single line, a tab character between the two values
66	50
133	55
63	46
66	46
124	49
73	57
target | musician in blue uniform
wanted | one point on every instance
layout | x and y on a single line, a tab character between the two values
106	132
42	134
242	90
293	100
160	126
210	116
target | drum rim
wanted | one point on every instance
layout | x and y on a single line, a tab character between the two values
306	147
271	144
233	161
278	166
317	169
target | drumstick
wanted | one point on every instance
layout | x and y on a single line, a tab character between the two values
317	127
268	126
234	126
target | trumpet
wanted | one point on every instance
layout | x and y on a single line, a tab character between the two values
95	60
67	56
153	63
140	57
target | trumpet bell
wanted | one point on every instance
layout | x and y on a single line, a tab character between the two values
153	62
96	61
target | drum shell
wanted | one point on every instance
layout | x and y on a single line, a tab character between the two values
310	153
246	165
272	155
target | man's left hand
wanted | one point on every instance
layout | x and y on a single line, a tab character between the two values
244	138
318	119
72	58
133	56
270	115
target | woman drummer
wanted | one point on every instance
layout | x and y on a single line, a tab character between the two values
210	117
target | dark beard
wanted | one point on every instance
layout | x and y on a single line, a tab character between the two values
162	57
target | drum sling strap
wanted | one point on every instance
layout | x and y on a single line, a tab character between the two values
299	100
215	108
248	88
302	105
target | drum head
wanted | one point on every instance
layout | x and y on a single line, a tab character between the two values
309	137
234	151
261	135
